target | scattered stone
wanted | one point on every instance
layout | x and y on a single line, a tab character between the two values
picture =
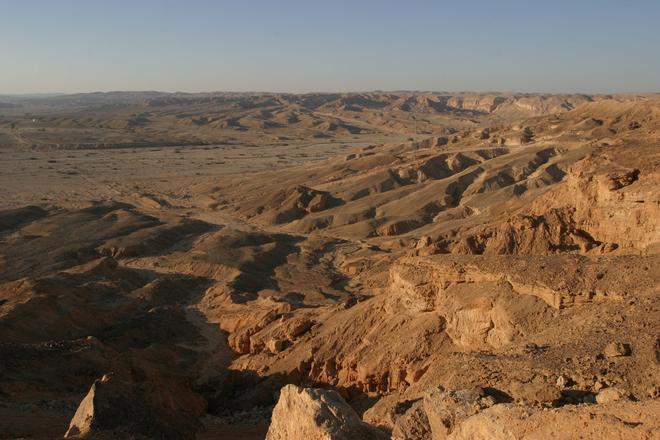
423	242
609	395
275	345
531	347
534	392
617	349
563	381
619	180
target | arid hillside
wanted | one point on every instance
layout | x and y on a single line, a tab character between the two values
368	266
153	119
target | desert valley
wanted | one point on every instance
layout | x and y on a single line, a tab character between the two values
405	265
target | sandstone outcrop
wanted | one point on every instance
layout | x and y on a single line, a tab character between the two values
420	284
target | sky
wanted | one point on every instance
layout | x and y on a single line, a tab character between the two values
589	46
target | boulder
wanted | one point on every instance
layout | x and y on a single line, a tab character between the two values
297	326
446	409
114	408
413	424
610	395
535	392
616	349
275	345
317	414
563	381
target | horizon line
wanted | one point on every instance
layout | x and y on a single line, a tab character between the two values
324	92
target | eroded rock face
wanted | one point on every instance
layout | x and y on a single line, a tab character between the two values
295	203
420	284
491	317
396	228
616	206
481	309
412	289
317	414
597	206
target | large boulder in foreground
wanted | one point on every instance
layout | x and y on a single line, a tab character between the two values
115	408
317	414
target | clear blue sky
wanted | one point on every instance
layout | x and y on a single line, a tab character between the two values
333	45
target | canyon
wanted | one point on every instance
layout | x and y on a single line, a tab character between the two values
404	265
